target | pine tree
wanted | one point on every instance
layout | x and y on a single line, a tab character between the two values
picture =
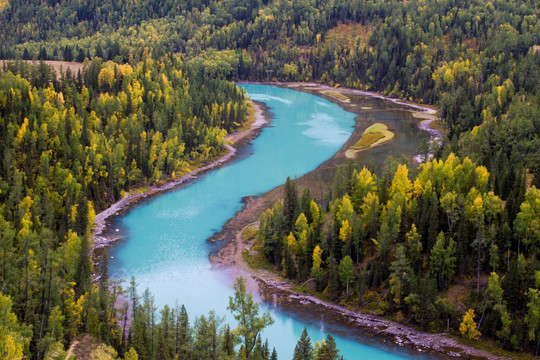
399	269
327	350
333	287
183	337
442	260
290	203
303	349
228	342
84	268
81	219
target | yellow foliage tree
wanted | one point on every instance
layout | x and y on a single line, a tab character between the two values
401	185
103	352
345	232
317	257
12	336
467	327
315	213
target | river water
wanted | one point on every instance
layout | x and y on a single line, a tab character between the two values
164	240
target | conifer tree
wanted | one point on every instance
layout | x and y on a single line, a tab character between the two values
303	349
290	202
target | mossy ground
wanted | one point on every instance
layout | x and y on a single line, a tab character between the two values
367	140
373	135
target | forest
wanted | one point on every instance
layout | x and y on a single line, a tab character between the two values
417	249
156	98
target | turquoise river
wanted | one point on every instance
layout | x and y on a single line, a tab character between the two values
164	239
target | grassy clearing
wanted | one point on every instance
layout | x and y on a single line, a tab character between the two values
255	258
140	190
336	95
249	233
367	140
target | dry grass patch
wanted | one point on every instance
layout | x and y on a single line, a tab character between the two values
336	95
74	67
457	294
249	233
436	125
347	34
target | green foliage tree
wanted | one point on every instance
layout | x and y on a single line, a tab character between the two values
527	224
346	274
246	311
399	269
303	349
14	338
532	319
442	260
494	292
326	349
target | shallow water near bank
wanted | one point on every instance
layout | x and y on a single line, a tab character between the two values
164	240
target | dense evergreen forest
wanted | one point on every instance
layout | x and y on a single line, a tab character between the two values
155	98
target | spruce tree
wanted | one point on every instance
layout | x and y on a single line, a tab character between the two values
290	203
334	287
228	342
84	268
303	349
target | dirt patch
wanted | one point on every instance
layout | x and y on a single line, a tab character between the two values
346	35
58	66
81	347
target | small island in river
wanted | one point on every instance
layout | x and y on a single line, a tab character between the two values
374	135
